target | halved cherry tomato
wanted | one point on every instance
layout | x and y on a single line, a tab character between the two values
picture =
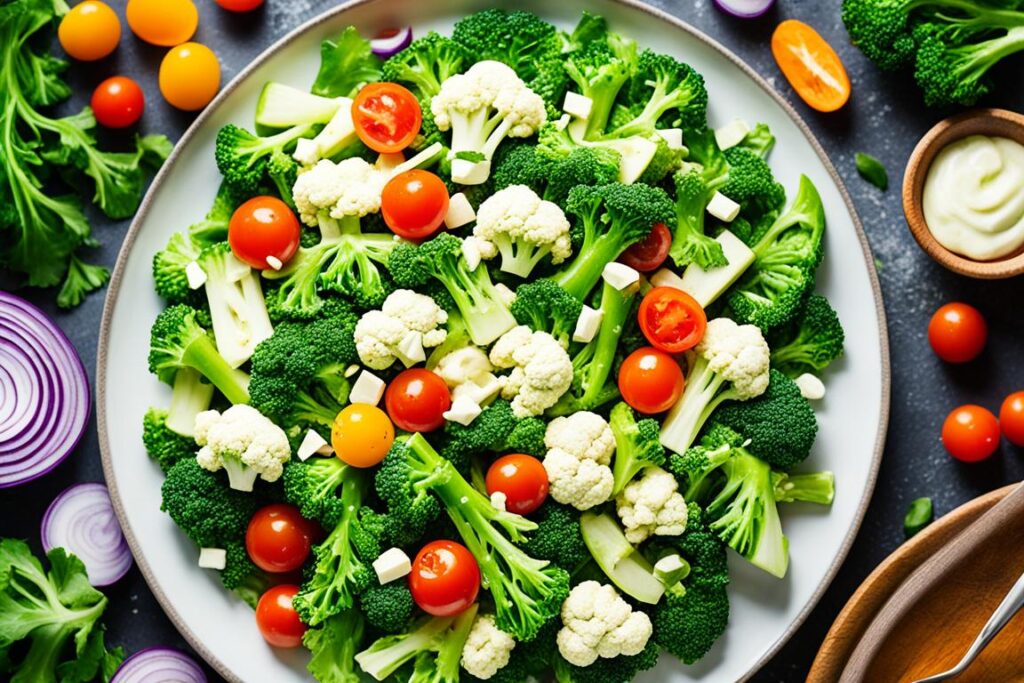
239	5
162	22
445	578
957	332
671	319
278	538
810	65
89	31
387	117
650	380
362	435
1011	418
277	619
414	204
416	400
971	433
118	102
648	254
262	227
523	480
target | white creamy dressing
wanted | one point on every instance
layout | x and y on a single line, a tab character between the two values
974	197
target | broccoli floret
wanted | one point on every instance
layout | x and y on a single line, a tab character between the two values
544	306
779	423
387	608
666	160
426	64
664	93
333	647
243	157
610	218
809	342
620	669
689	243
881	30
557	538
409	513
637	445
434	646
527	437
177	341
488	432
600	70
527	592
240	574
312	486
202	504
283	170
163	445
552	177
479	303
751	184
760	140
951	69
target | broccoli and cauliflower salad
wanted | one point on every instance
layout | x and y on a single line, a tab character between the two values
487	354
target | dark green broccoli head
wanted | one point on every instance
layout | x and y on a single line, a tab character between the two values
167	448
487	433
665	93
880	28
203	505
239	569
169	268
387	608
600	70
283	170
637	445
552	177
951	69
313	487
690	243
411	510
545	306
557	538
810	342
528	437
665	161
243	157
173	334
426	64
751	183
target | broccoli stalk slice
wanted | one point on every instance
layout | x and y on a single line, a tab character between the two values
237	308
190	396
705	391
202	355
811	487
435	644
636	445
445	664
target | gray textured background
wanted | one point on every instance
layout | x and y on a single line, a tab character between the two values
885	117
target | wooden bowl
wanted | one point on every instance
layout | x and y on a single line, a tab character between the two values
992	122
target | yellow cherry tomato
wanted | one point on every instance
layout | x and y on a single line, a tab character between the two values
90	31
162	22
362	435
189	76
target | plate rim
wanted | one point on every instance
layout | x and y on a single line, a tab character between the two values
114	288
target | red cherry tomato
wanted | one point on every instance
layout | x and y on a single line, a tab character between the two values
445	578
277	619
387	117
1011	418
650	380
671	319
278	538
414	204
523	480
957	333
971	433
416	400
118	102
262	227
648	254
239	5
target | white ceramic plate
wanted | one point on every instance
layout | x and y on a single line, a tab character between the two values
765	611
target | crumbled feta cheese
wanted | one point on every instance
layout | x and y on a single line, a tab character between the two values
811	388
351	370
723	208
213	558
410	349
731	134
195	275
311	443
460	212
368	389
620	276
577	105
672	136
463	410
274	263
587	324
391	565
480	390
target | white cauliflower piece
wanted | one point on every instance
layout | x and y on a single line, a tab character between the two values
597	622
244	443
463	365
586	435
382	336
652	506
487	648
580	448
523	228
349	189
541	370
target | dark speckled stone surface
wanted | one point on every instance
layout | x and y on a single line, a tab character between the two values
885	118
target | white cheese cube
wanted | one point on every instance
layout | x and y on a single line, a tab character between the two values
620	276
723	208
577	105
463	411
707	285
480	390
368	389
307	152
587	324
467	172
195	275
666	278
499	500
410	349
811	388
274	263
562	122
731	134
508	297
471	252
213	558
672	136
636	153
311	443
460	212
392	565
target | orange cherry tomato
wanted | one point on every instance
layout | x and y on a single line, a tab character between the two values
957	332
1011	418
414	204
671	319
277	619
971	433
387	117
648	254
523	480
89	31
362	435
118	102
239	5
650	380
445	578
264	227
416	400
162	22
189	76
278	538
810	65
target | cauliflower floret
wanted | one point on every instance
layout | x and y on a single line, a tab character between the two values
349	188
406	323
463	365
523	227
541	370
652	506
487	648
597	622
739	353
580	447
242	441
586	435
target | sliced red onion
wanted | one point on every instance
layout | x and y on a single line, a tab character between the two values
159	665
82	521
745	9
390	43
44	393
